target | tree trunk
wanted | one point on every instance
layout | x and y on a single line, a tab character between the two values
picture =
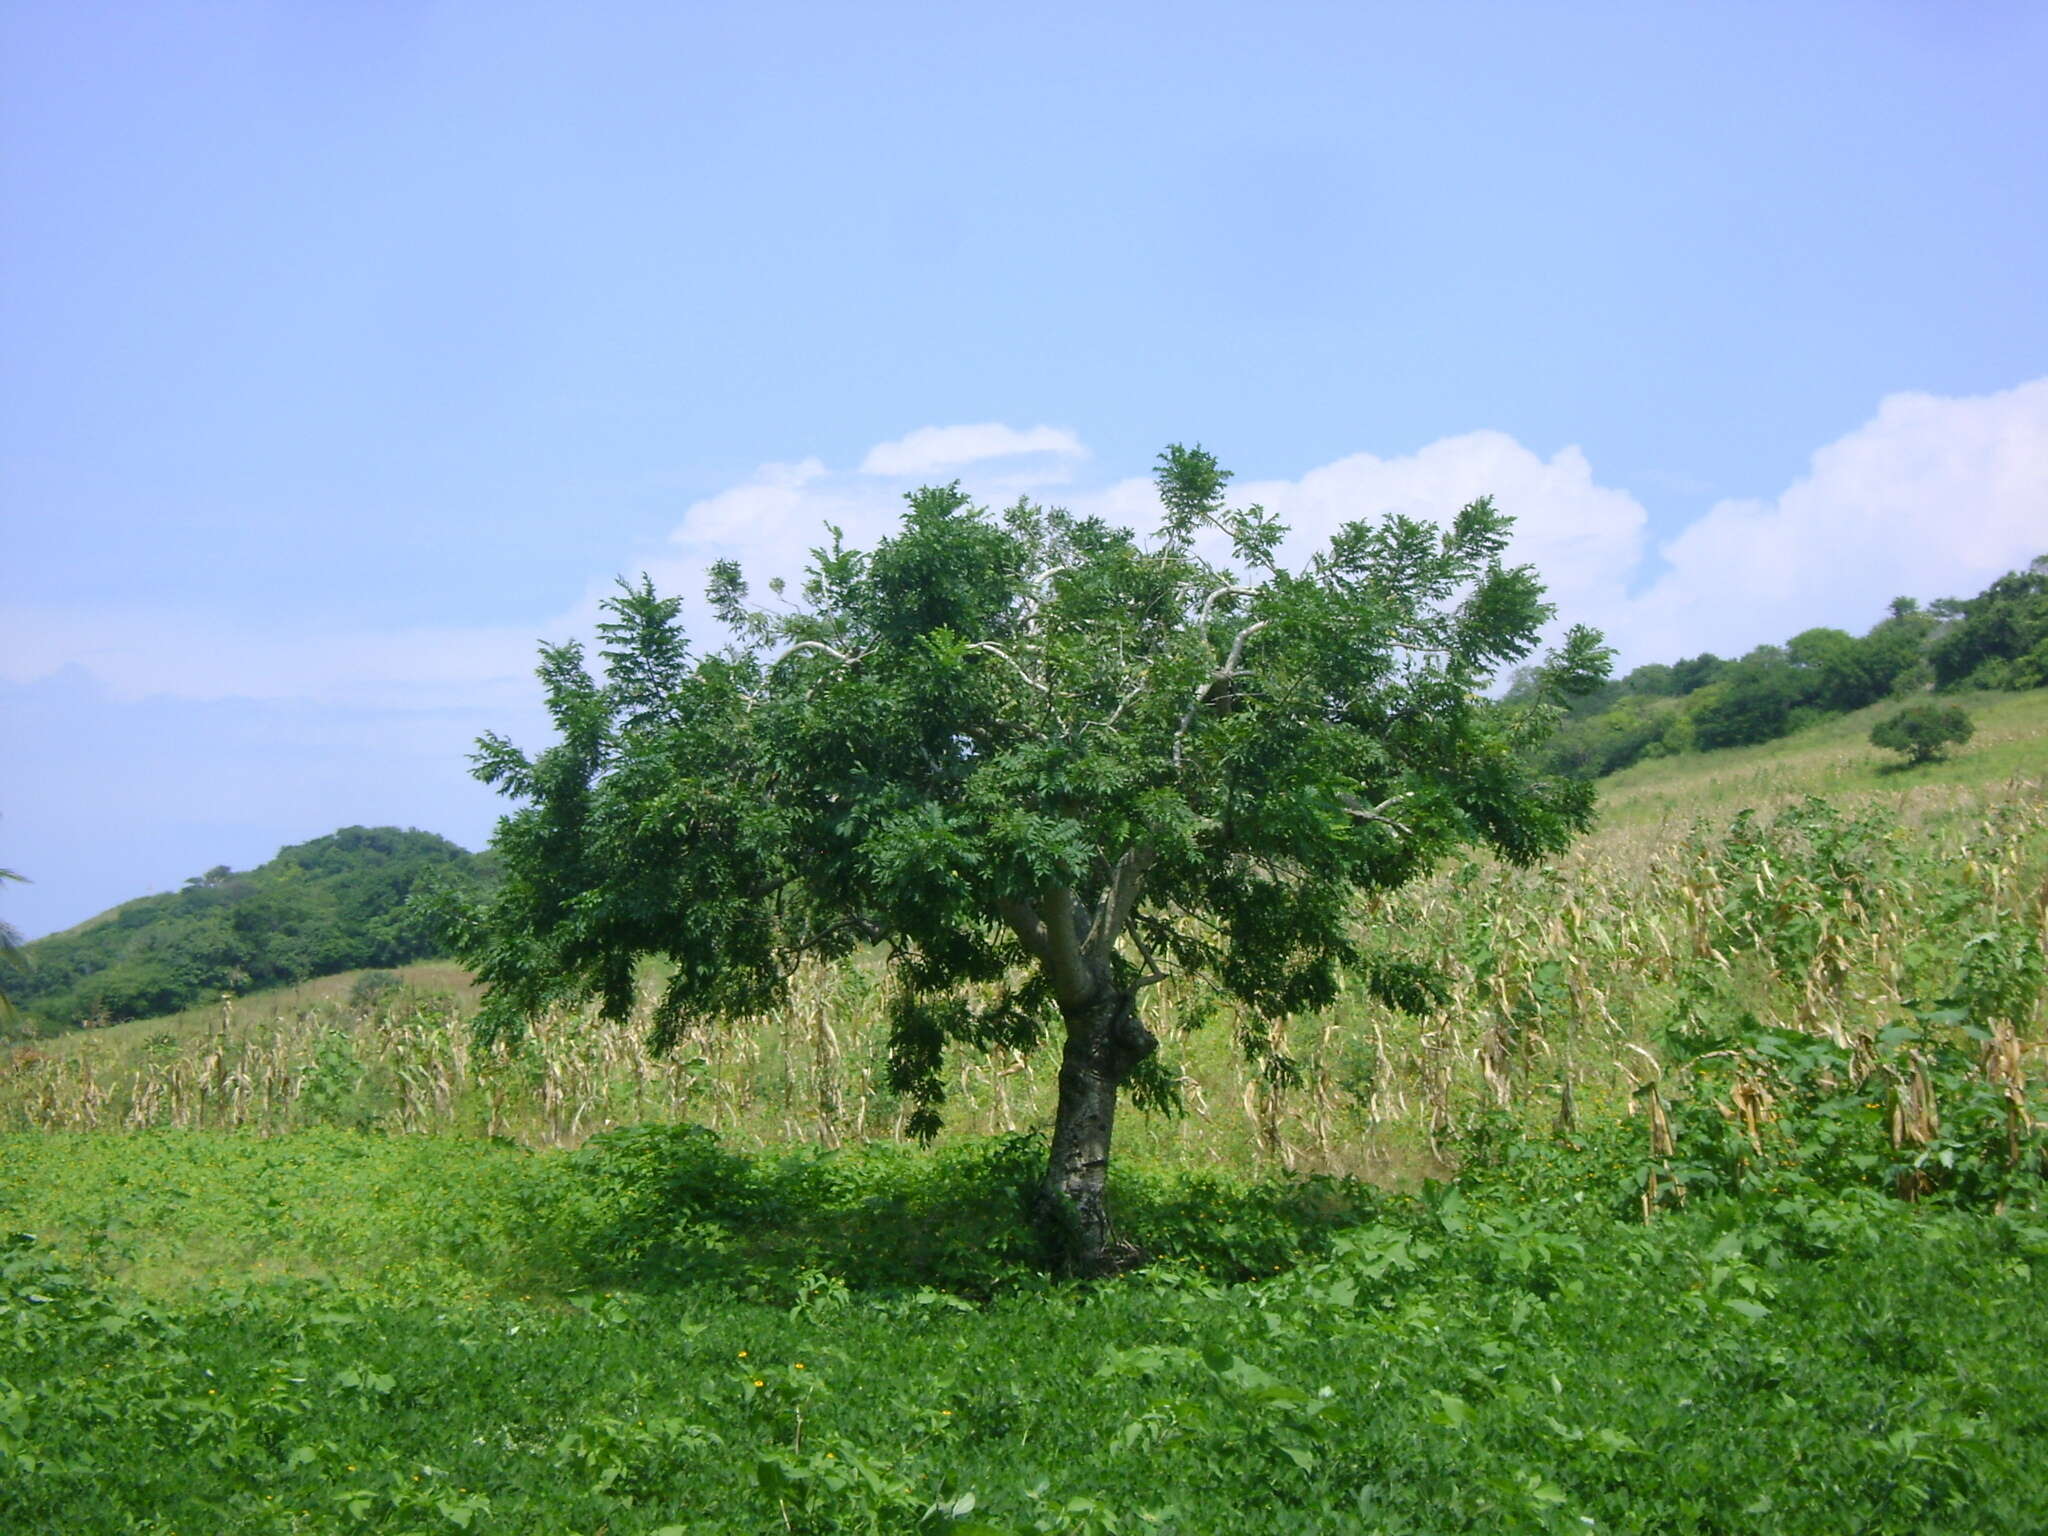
1105	1043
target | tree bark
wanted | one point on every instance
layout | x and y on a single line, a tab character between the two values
1105	1043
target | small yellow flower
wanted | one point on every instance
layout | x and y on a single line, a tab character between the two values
799	1365
757	1381
743	1354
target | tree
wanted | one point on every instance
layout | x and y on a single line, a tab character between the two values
336	903
2004	622
1920	731
1751	701
1693	673
1042	764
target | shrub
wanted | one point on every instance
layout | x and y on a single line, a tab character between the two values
1920	731
372	987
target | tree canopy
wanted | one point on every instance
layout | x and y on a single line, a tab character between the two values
1921	731
1041	763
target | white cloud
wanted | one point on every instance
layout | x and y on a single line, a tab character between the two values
779	504
1933	497
1586	539
933	448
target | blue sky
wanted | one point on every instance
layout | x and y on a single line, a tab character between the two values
346	350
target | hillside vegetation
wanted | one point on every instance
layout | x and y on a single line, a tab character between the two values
1995	641
334	904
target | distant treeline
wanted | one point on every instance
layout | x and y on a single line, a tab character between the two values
1995	640
337	903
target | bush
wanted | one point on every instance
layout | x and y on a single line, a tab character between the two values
1920	731
372	987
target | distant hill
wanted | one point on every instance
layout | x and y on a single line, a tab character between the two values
1996	641
337	903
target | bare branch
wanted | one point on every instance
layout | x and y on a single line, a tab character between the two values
1065	965
1029	930
1378	813
1209	603
1037	604
1122	704
814	645
1237	649
1125	883
1223	674
996	650
1153	973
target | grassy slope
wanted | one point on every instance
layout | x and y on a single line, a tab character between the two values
1834	760
761	1086
122	1046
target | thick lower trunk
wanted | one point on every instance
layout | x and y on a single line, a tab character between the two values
1105	1044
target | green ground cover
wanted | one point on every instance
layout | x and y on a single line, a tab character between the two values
1835	760
1513	1355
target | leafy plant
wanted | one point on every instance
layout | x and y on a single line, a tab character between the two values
373	987
1920	732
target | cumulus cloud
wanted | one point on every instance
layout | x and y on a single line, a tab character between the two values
934	448
783	506
1933	497
1584	537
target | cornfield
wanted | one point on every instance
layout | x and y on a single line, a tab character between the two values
1563	981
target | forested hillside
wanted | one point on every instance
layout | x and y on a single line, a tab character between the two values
1997	640
336	903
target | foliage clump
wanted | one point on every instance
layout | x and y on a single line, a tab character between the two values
1921	731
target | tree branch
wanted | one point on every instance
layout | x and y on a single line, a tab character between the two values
996	650
1037	604
1029	930
1153	974
1209	602
1378	813
814	645
1125	883
1065	964
1222	674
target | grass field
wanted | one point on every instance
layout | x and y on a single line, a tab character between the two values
356	1355
1836	761
1711	1202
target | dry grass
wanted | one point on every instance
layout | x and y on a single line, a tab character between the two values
1562	979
